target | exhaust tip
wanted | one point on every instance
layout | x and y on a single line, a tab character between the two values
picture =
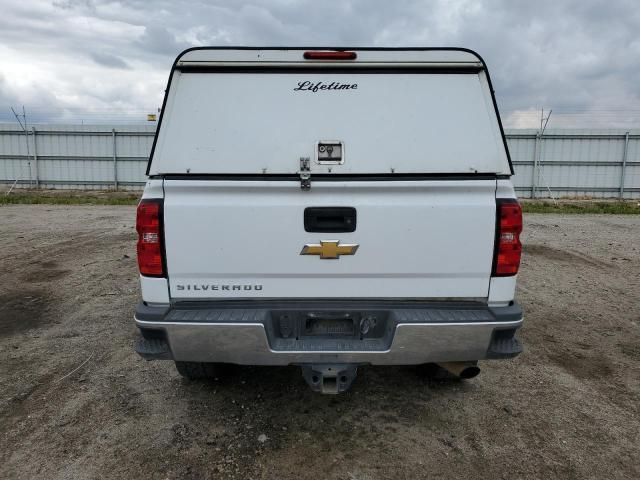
464	370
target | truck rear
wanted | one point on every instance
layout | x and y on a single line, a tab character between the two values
328	208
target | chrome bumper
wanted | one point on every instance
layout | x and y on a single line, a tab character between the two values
249	338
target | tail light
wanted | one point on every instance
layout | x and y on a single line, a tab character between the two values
317	55
150	248
508	249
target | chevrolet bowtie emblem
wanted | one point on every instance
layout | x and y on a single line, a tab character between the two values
329	249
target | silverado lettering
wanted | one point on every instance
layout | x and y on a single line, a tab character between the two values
204	287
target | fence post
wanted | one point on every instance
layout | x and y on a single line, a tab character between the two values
115	160
624	163
35	157
534	174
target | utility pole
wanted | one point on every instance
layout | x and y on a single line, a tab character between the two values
536	167
26	136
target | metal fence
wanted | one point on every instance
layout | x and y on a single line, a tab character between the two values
73	156
576	163
560	163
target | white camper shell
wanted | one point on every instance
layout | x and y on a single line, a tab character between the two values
328	207
259	111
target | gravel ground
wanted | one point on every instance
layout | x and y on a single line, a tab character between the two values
76	402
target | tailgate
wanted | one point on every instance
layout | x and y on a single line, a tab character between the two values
415	239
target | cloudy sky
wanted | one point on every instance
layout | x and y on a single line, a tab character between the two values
103	61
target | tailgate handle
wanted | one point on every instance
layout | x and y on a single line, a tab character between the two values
330	219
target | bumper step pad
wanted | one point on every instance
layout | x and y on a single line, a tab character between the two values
153	349
504	346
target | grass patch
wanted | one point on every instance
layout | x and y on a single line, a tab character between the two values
79	197
617	208
23	199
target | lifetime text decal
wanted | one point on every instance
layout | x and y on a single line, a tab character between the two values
315	87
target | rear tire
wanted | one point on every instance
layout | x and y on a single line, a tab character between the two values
200	370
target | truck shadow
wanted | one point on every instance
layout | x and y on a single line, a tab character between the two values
266	392
370	378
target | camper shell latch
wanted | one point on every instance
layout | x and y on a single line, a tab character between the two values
305	173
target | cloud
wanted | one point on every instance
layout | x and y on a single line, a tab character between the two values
159	40
108	60
104	56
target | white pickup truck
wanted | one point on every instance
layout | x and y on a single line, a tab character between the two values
328	208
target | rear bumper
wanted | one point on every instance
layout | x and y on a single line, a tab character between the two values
251	333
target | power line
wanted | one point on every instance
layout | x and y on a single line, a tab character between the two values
566	116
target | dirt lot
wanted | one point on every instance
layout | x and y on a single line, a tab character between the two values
76	402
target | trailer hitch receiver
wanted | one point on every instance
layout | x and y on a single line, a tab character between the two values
330	378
